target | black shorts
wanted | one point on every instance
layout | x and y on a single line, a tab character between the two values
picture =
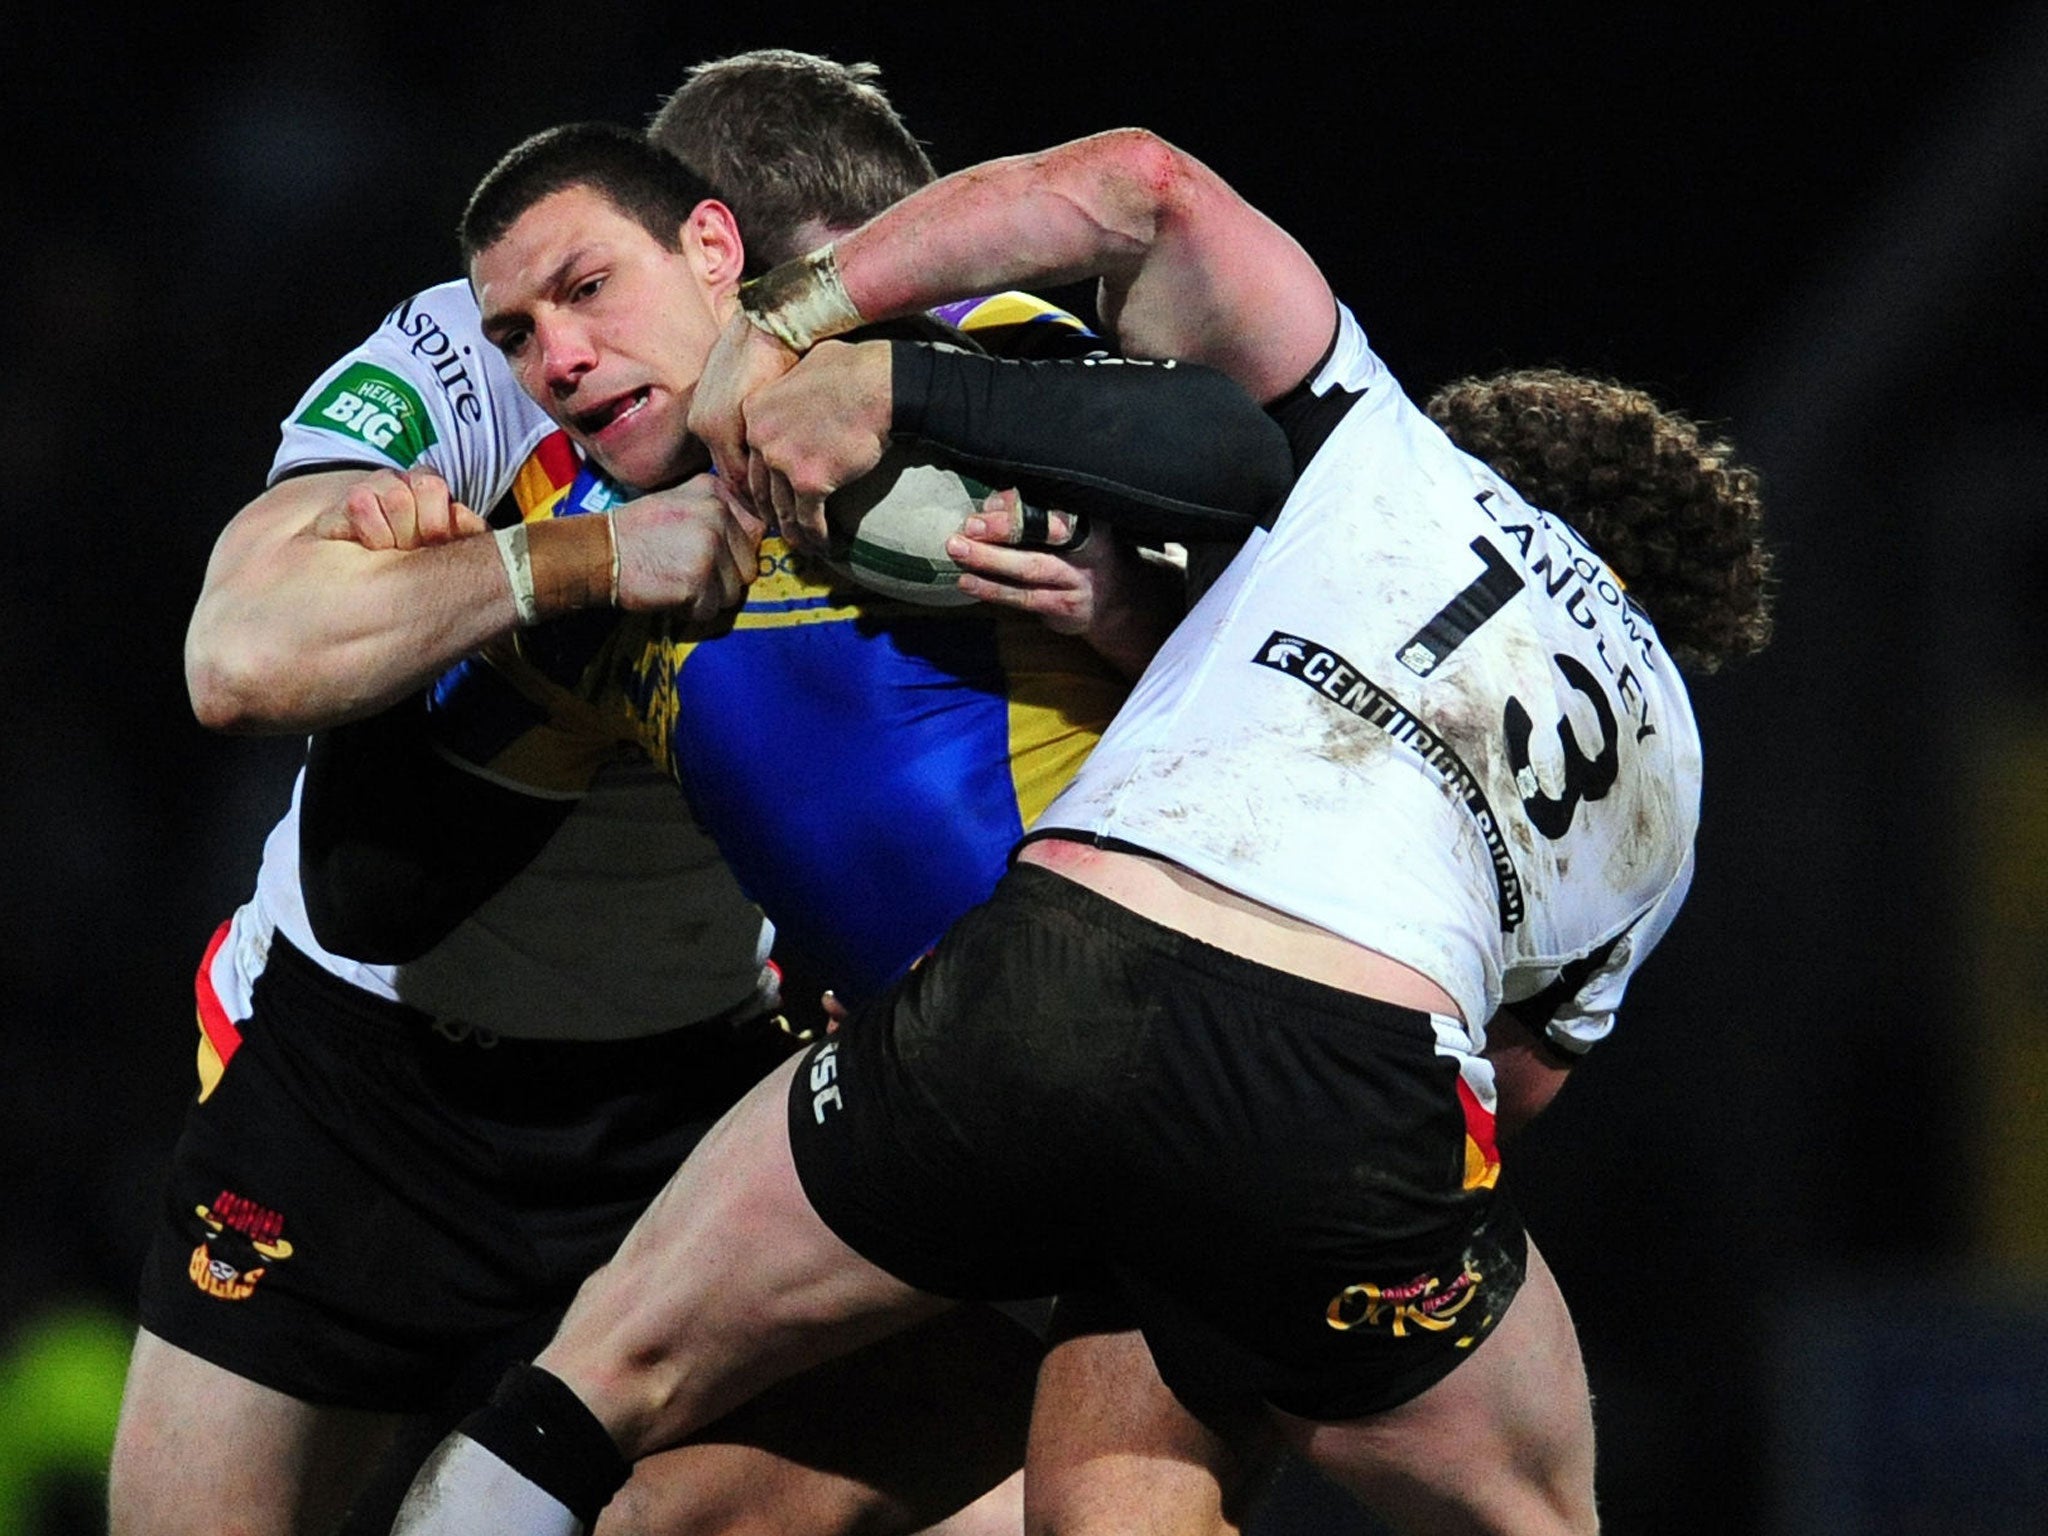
363	1205
1270	1172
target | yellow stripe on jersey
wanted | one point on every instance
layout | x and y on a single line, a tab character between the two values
1062	697
1013	308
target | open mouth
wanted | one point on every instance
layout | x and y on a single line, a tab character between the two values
604	417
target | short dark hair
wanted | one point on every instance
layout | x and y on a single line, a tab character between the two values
1663	501
651	188
787	138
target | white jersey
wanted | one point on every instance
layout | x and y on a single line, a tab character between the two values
628	921
1421	714
425	389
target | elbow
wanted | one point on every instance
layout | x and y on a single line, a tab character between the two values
234	690
218	701
1151	179
1122	186
1140	159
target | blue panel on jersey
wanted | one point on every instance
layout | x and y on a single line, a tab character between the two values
852	766
857	779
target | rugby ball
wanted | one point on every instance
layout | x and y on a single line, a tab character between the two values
888	529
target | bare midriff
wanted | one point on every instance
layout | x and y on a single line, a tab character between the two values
1177	898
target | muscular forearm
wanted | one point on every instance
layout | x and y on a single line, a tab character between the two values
1083	210
1187	268
293	631
330	632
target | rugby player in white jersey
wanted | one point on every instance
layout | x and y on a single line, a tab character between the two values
1216	1051
394	1176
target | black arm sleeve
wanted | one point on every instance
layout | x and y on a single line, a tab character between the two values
1164	450
397	845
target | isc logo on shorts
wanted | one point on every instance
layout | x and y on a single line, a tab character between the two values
824	1084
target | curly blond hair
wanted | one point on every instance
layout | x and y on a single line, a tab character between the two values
1664	502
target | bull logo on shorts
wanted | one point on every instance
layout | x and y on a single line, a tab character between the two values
1427	1302
238	1242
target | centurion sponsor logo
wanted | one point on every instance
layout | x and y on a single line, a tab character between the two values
1320	668
375	407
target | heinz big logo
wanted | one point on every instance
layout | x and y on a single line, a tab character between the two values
377	408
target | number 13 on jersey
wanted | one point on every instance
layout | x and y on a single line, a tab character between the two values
1587	777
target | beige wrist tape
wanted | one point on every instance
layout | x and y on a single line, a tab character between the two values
519	571
611	527
801	302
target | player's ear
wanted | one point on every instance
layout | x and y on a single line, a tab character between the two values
712	237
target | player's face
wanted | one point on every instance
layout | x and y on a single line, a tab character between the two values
606	328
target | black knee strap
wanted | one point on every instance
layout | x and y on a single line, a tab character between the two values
538	1427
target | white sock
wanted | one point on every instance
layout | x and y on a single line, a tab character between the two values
465	1490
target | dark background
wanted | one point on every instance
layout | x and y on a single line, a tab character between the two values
1800	1201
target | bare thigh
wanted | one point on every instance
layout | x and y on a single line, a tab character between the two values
728	1284
925	1427
1503	1444
1113	1450
200	1450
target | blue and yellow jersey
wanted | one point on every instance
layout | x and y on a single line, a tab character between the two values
865	765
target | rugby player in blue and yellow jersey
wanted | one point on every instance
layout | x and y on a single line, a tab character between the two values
445	992
334	1269
942	730
1219	1050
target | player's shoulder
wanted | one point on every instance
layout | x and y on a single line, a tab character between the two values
423	388
434	342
